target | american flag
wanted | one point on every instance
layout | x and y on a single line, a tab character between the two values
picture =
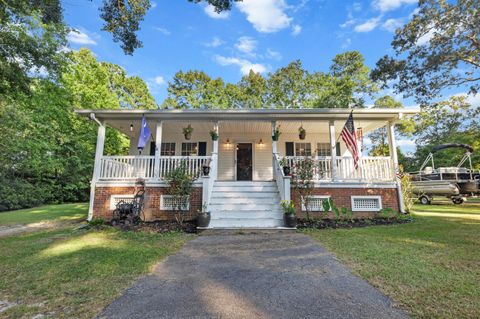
350	139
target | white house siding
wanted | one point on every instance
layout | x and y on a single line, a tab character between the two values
262	155
226	160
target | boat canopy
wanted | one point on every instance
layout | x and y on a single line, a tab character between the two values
452	145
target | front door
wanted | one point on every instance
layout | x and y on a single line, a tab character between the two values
244	161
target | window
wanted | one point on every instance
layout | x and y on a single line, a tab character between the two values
168	149
115	199
366	203
323	149
189	149
303	149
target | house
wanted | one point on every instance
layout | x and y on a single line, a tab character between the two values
246	182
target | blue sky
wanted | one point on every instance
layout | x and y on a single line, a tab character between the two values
262	35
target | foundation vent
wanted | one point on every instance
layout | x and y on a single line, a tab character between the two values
366	203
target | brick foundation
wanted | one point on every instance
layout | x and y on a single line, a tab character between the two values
101	206
341	197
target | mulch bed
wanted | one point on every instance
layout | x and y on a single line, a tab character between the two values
360	222
189	227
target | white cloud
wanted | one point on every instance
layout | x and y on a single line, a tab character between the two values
153	4
216	42
210	11
392	24
246	44
266	15
79	37
389	5
424	39
296	29
245	65
159	80
346	43
163	31
273	55
367	26
348	23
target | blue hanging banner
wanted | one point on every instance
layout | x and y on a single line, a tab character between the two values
144	135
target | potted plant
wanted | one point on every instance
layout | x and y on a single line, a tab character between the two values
203	218
289	213
286	168
302	133
205	170
214	135
187	131
276	133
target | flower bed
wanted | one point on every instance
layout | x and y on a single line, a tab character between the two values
303	223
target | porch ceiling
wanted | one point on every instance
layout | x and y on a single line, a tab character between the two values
258	120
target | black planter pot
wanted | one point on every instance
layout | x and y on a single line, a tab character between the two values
205	170
286	170
203	219
302	135
188	136
290	220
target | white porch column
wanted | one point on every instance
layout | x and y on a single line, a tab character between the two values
274	143
158	148
333	148
96	167
215	143
392	145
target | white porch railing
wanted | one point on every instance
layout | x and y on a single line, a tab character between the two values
126	167
208	181
370	169
283	182
133	167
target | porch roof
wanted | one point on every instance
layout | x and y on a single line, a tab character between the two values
374	114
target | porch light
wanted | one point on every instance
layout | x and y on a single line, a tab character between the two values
228	141
131	127
260	142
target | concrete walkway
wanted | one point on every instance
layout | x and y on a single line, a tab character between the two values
252	276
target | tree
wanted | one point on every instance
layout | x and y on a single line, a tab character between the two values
196	90
438	49
32	34
379	137
101	85
287	87
252	91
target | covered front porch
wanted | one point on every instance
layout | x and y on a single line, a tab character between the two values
245	149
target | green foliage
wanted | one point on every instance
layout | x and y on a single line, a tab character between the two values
430	50
180	186
276	133
219	5
32	34
96	222
289	87
122	19
409	197
288	207
46	155
214	135
302	180
188	129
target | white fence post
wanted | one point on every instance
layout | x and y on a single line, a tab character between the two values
333	147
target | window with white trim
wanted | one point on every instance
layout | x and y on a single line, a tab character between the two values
315	203
169	202
115	199
324	149
303	149
190	149
366	203
168	149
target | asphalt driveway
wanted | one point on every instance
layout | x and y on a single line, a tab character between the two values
252	276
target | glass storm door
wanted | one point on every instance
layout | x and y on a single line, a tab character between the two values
244	161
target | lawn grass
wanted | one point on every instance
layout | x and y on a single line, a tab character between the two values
431	266
67	273
63	212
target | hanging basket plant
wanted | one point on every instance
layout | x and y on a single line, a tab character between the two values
187	132
302	133
276	133
214	135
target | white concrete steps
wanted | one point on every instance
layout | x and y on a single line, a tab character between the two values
245	204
